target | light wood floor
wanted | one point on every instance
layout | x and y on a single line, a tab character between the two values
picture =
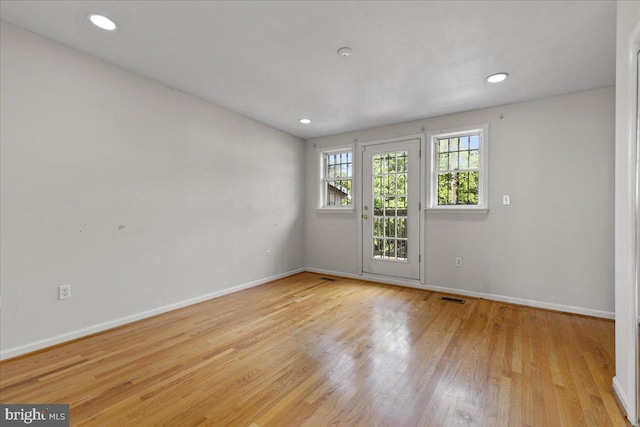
305	351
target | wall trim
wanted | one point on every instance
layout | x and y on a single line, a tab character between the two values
493	297
627	259
101	327
620	395
526	302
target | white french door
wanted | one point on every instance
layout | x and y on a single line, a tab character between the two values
390	209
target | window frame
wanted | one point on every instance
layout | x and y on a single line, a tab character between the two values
483	169
323	181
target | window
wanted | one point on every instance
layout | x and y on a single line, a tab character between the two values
337	179
459	169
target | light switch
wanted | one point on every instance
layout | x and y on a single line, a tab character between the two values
506	200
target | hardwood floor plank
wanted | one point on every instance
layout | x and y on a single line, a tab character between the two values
302	351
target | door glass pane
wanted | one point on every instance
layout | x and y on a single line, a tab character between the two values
390	249
391	186
402	203
402	228
402	249
377	185
390	201
378	248
401	164
402	185
389	227
377	227
378	206
377	166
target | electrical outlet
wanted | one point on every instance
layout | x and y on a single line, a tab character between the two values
64	292
458	262
269	254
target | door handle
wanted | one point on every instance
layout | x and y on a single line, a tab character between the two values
365	216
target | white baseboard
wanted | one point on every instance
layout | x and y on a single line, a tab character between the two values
620	394
529	303
464	292
79	333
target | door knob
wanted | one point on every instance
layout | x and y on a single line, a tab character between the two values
365	216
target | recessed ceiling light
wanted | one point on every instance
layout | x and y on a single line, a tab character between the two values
102	21
345	51
305	121
497	78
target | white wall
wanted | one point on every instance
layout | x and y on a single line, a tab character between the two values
626	365
552	247
137	195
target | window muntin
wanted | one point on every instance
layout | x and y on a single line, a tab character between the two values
459	169
338	179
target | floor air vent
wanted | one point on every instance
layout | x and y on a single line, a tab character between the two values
456	300
328	279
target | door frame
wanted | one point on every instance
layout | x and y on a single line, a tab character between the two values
627	344
633	136
359	196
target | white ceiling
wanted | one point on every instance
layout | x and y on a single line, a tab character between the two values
276	61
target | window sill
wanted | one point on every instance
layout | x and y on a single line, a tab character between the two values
335	210
458	210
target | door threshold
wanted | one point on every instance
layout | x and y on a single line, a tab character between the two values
392	280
